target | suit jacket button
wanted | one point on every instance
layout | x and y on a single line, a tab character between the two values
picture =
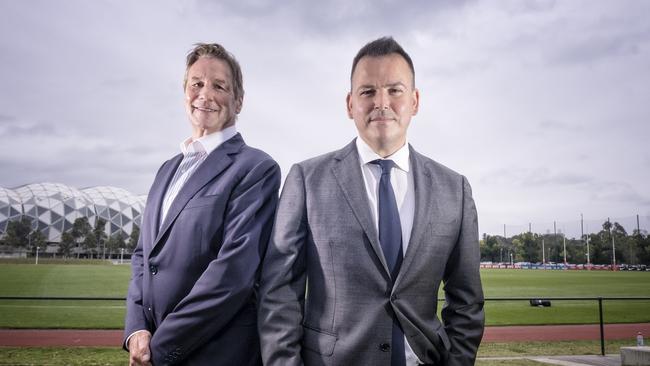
384	347
393	298
153	269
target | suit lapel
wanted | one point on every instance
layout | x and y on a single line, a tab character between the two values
426	208
347	172
212	166
157	194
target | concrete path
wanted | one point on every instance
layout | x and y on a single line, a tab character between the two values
608	360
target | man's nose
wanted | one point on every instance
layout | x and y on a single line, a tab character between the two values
205	93
381	100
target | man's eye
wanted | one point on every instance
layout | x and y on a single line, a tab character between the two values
197	85
395	91
367	92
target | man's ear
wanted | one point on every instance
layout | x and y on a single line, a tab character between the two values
348	102
416	101
238	105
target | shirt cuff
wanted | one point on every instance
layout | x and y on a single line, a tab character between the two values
126	343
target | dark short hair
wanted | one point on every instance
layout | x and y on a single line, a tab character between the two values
383	46
217	51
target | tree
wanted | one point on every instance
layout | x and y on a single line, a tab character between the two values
17	233
133	239
576	251
81	231
66	244
99	234
489	248
37	239
601	242
530	247
114	243
642	243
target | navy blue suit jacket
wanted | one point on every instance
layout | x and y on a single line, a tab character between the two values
193	277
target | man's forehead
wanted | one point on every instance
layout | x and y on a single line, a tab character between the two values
382	71
209	64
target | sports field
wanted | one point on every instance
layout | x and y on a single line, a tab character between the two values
116	356
112	280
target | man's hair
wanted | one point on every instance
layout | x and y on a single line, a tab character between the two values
383	46
217	51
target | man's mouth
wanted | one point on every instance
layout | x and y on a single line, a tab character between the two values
382	119
204	109
381	116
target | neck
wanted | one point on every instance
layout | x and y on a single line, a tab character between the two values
385	150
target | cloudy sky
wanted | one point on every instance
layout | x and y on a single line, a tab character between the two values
543	105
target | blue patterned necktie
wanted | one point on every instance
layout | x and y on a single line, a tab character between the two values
390	239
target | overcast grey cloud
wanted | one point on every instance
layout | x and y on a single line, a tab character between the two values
543	105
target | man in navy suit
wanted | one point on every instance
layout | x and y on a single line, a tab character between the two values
207	221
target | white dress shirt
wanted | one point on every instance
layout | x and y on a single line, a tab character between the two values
401	178
205	144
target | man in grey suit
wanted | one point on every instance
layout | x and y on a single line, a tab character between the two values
206	225
363	237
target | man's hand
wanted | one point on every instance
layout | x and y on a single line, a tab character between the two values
139	353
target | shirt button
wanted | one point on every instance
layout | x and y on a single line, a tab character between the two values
384	347
153	269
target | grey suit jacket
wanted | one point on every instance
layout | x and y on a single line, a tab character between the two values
326	294
193	277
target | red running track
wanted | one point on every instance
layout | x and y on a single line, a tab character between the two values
97	338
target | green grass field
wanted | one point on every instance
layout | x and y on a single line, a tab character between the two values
106	280
116	356
539	283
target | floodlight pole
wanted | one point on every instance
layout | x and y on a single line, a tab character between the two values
564	243
36	255
613	247
543	253
582	235
588	255
554	239
638	227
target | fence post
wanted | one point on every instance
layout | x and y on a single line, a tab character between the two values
602	328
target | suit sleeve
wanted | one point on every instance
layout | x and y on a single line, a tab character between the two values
228	282
463	315
135	319
283	279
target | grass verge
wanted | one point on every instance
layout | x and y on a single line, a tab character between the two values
116	356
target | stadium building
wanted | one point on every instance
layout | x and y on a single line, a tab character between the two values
53	207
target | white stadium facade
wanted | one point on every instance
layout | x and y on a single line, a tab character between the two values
52	208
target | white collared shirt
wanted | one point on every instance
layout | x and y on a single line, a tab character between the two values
205	144
401	178
209	142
